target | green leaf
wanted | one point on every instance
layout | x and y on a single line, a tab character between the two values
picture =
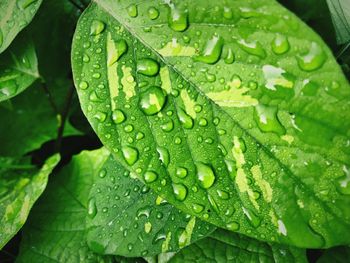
27	122
223	246
21	184
55	231
335	255
14	16
242	95
340	12
127	218
18	68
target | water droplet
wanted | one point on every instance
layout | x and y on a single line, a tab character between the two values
130	154
140	135
185	119
344	182
197	208
213	203
96	75
210	77
267	120
168	126
92	209
212	50
232	226
164	155
181	172
144	211
130	246
105	210
147	67
115	53
102	173
22	4
83	85
205	175
253	48
314	59
252	217
152	100
132	10
93	96
203	122
100	116
150	176
223	194
177	19
228	14
97	27
177	140
118	116
277	77
230	56
198	108
128	128
86	58
180	191
153	13
280	44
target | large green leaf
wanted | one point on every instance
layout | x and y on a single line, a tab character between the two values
27	122
223	246
18	68
21	184
127	218
55	231
14	16
239	103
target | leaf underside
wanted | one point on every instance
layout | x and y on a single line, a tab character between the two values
243	96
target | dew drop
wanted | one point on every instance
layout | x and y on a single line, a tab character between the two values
267	120
118	116
128	128
252	217
145	211
150	176
177	19
314	59
115	54
197	208
132	10
228	14
253	48
280	44
92	209
130	154
97	27
152	100
223	194
180	191
212	50
210	77
102	173
205	175
168	126
86	58
203	122
100	116
232	226
181	172
230	56
147	67
185	119
140	136
153	13
83	85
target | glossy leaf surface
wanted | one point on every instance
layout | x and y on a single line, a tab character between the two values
245	110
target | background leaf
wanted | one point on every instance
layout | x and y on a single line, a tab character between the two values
20	186
340	11
253	111
336	255
14	16
131	220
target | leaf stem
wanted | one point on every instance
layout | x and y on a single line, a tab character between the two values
52	102
343	49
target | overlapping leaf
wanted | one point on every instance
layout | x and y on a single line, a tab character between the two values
21	184
239	108
340	11
127	218
14	16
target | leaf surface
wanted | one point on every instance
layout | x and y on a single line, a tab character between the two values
14	16
18	68
127	218
239	104
55	231
21	184
224	246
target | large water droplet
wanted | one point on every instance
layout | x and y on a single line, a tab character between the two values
92	209
230	56
252	217
314	59
253	48
132	10
164	155
97	27
212	50
153	13
267	120
152	100
115	54
130	154
118	116
180	191
178	19
150	176
280	44
147	66
185	119
205	175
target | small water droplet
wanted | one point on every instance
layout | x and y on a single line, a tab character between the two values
100	116
280	44
86	58
232	226
118	116
212	50
83	85
130	246
97	27
150	176
132	10
180	191
203	122
267	120
152	100
314	59
177	19
210	77
205	175
178	140
168	126
130	154
147	67
140	135
102	173
197	208
223	194
92	209
181	172
185	119
128	128
153	13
